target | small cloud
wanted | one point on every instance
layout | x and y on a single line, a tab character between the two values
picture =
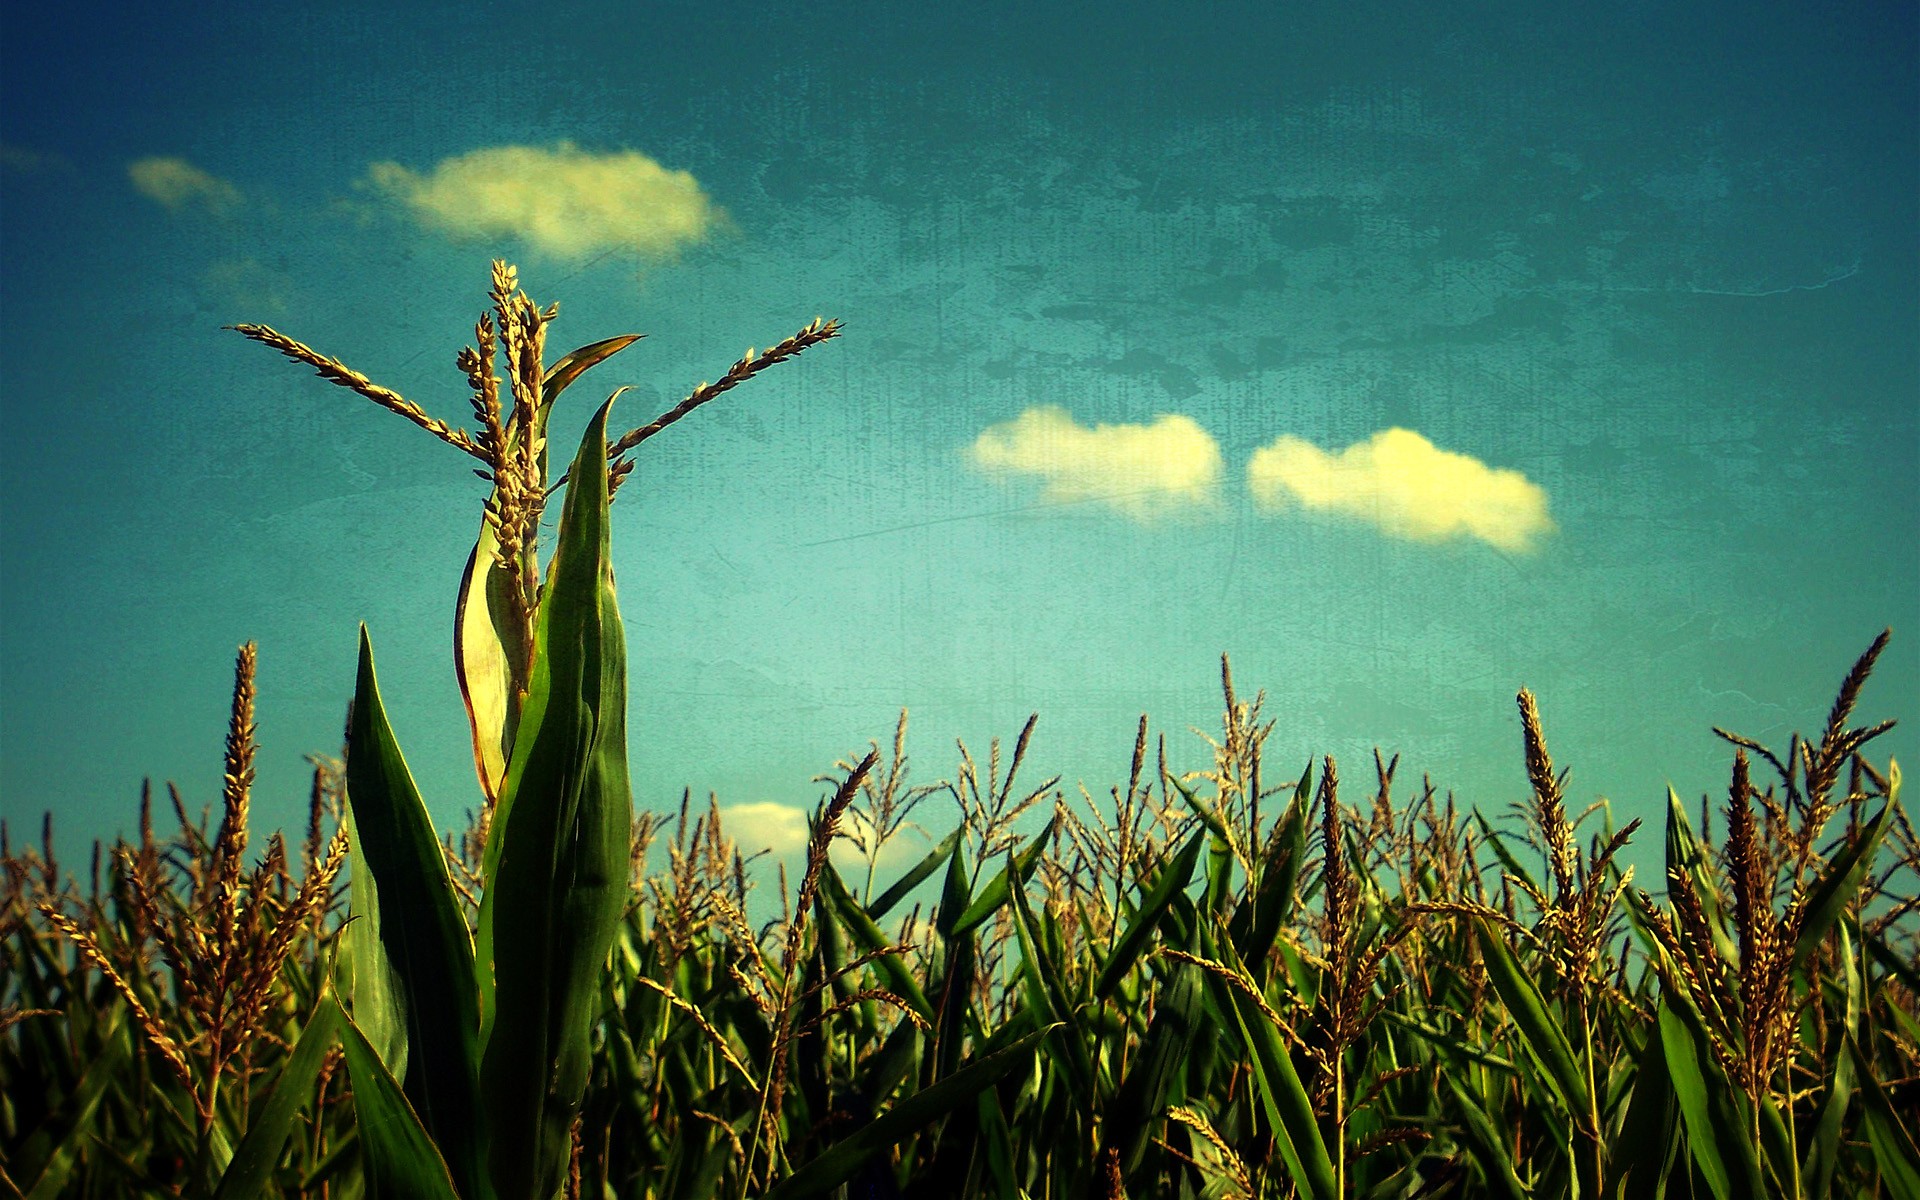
1144	471
21	160
176	183
247	284
765	825
1407	486
566	201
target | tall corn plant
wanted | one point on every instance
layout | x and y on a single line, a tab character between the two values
470	1052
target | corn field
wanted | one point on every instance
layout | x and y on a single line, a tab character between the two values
1257	980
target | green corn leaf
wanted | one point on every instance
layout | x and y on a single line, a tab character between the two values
1289	1110
1824	1148
45	1162
259	1151
1889	1134
1840	882
922	870
1041	972
1126	951
1255	926
1489	1145
1709	1108
841	1161
556	862
870	937
1544	1037
402	1163
989	899
1686	855
1155	1077
955	989
1641	1155
414	1000
1459	1049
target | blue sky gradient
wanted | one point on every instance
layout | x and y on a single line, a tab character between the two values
1658	261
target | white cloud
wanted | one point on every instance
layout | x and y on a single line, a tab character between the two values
566	201
177	183
1144	471
1407	486
765	825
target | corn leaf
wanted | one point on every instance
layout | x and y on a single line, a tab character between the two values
1542	1033
46	1161
402	1163
1718	1141
1840	882
556	862
1823	1149
1488	1144
414	1000
486	642
1888	1133
258	1153
1126	951
1289	1110
921	871
1019	869
841	1161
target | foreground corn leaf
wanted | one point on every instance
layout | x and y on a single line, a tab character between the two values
259	1152
1155	1079
1824	1148
415	999
1019	869
557	856
839	1163
402	1163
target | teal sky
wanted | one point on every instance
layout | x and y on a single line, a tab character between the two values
1132	297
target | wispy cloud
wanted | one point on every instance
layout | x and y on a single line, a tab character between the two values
1403	483
177	184
1145	471
566	201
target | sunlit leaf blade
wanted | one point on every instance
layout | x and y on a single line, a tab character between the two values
412	933
578	362
556	862
485	643
1708	1100
840	1161
258	1153
402	1163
